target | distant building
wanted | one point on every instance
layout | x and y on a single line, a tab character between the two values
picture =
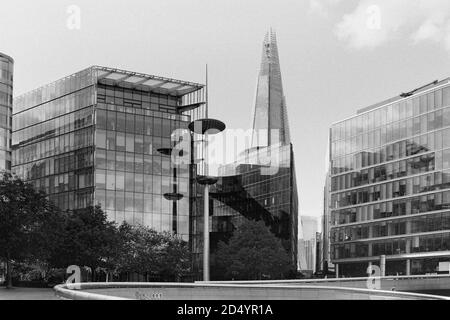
326	264
309	242
310	227
319	252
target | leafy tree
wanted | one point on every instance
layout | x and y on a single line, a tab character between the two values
89	240
138	250
253	252
175	258
25	218
147	252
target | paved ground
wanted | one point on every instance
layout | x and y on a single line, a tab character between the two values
27	294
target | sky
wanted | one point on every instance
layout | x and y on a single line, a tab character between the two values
336	56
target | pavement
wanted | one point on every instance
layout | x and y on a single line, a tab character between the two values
27	294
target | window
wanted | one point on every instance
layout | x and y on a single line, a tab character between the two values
111	125
101	139
446	97
101	119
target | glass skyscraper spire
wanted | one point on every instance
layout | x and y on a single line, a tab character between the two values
260	184
270	120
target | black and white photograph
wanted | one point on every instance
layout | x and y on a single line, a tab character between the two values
224	155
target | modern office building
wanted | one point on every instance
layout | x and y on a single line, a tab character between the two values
326	265
261	183
96	137
246	191
390	185
310	227
6	102
309	242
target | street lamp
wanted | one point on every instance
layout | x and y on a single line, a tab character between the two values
206	127
173	196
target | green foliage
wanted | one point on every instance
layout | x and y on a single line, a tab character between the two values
37	237
148	252
89	240
253	253
29	222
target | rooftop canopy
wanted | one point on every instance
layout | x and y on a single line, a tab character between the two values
145	82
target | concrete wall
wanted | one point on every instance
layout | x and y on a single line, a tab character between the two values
176	291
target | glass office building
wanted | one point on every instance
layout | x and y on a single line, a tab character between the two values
6	100
390	185
259	186
96	136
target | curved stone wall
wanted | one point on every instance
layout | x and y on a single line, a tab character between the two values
183	291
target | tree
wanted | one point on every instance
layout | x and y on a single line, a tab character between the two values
147	252
252	253
175	256
25	217
89	240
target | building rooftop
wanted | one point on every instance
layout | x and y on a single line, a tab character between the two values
6	57
144	82
130	80
398	98
404	95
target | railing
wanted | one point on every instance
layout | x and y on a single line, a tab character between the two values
355	279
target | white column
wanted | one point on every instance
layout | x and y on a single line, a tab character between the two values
383	265
206	235
408	267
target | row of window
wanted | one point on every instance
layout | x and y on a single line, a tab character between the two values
162	113
132	162
139	202
414	205
137	124
417	145
55	127
400	188
71	161
432	243
79	199
53	146
429	223
54	90
393	132
392	113
135	182
70	181
403	168
53	109
137	95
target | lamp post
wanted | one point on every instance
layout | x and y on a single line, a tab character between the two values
173	196
206	127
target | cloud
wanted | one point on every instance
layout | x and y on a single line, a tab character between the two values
322	7
372	23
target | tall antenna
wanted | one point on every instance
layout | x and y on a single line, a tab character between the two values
206	111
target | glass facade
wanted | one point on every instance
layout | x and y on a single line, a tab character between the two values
270	119
248	190
390	185
93	138
6	100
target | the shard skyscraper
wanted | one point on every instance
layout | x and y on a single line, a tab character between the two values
261	184
270	120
